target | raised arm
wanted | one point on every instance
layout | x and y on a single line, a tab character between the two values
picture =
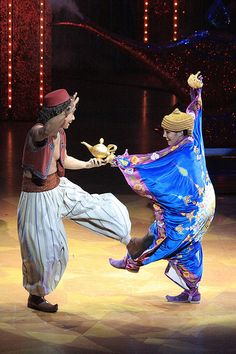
195	83
41	132
52	126
195	107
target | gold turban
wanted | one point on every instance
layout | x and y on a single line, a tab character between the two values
177	121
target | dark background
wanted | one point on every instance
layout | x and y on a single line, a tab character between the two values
120	100
81	58
82	53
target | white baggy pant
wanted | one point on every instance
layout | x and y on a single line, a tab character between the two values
42	236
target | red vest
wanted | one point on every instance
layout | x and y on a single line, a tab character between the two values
37	159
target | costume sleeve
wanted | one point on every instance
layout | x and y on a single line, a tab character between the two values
195	110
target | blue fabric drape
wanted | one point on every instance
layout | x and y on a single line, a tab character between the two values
176	181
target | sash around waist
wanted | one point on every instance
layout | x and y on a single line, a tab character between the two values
51	182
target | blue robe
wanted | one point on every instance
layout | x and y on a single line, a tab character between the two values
176	181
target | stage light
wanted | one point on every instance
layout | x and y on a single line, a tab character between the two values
175	21
41	52
9	34
145	24
25	56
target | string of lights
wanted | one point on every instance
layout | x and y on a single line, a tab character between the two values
145	16
9	65
41	53
175	20
25	56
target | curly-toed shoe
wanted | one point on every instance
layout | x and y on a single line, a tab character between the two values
125	263
187	296
40	304
118	263
137	245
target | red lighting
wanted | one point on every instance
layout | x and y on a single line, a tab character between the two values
175	21
145	24
9	84
41	52
25	56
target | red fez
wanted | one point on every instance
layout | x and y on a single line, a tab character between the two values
55	98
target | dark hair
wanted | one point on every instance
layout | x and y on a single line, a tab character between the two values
46	113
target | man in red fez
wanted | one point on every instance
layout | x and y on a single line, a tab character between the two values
47	197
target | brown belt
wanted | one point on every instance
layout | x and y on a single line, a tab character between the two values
51	182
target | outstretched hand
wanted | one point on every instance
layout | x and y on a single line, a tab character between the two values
110	158
199	76
195	81
94	162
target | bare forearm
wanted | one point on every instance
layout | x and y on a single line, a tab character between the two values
72	163
51	128
54	124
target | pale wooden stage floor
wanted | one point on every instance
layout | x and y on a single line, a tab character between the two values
105	310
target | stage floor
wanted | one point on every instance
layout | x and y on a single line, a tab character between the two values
105	310
102	309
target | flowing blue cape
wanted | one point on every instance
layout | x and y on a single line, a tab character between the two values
175	180
174	177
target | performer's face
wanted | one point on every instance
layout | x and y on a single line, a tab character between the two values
172	137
